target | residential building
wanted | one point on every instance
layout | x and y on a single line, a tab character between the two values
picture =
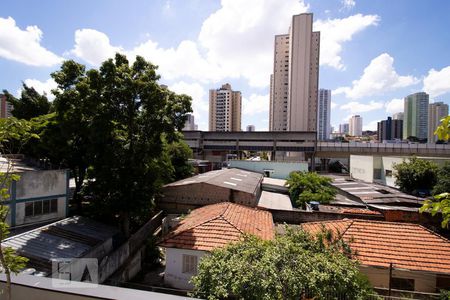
415	119
390	130
398	116
344	128
5	107
324	115
225	109
294	82
223	185
401	256
355	125
38	196
250	128
436	112
205	229
190	125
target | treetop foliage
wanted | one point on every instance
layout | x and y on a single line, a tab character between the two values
415	175
309	186
290	266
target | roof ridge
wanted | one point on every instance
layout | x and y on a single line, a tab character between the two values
346	229
434	233
226	204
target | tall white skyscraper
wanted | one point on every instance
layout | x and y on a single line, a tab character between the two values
355	125
397	116
436	111
323	115
294	82
225	109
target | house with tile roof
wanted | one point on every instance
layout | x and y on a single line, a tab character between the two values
420	258
233	185
205	229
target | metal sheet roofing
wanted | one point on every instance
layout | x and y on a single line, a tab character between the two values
69	238
234	179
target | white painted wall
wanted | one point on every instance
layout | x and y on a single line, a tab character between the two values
34	184
361	167
174	266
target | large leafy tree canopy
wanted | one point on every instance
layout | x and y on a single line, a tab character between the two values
284	268
30	104
415	174
115	122
309	186
440	203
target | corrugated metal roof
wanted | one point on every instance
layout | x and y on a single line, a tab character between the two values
234	179
69	238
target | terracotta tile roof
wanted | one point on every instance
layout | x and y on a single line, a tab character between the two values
378	243
358	211
218	224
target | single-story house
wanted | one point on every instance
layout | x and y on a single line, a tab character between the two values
420	258
232	185
207	228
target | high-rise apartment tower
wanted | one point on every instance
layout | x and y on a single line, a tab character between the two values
355	125
225	109
323	115
436	111
294	82
415	118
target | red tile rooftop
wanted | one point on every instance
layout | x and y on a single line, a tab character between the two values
216	225
377	244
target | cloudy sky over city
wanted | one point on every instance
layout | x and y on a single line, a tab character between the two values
373	53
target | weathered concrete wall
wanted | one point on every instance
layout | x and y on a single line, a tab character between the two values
36	184
423	282
361	167
174	275
191	196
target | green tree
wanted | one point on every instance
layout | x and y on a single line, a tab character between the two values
291	266
443	180
309	186
179	153
114	122
441	201
14	133
415	175
30	104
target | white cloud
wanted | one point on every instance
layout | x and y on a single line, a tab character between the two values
42	86
378	77
200	104
395	106
348	4
255	104
373	125
239	36
437	83
93	46
24	45
333	105
357	107
334	32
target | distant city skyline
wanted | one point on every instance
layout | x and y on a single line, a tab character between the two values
370	57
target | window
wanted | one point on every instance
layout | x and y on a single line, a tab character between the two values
388	173
189	264
404	284
41	207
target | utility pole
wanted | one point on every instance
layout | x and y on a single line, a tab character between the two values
390	279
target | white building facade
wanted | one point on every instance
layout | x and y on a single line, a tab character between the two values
355	125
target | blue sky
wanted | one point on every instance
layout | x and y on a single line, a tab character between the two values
373	53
